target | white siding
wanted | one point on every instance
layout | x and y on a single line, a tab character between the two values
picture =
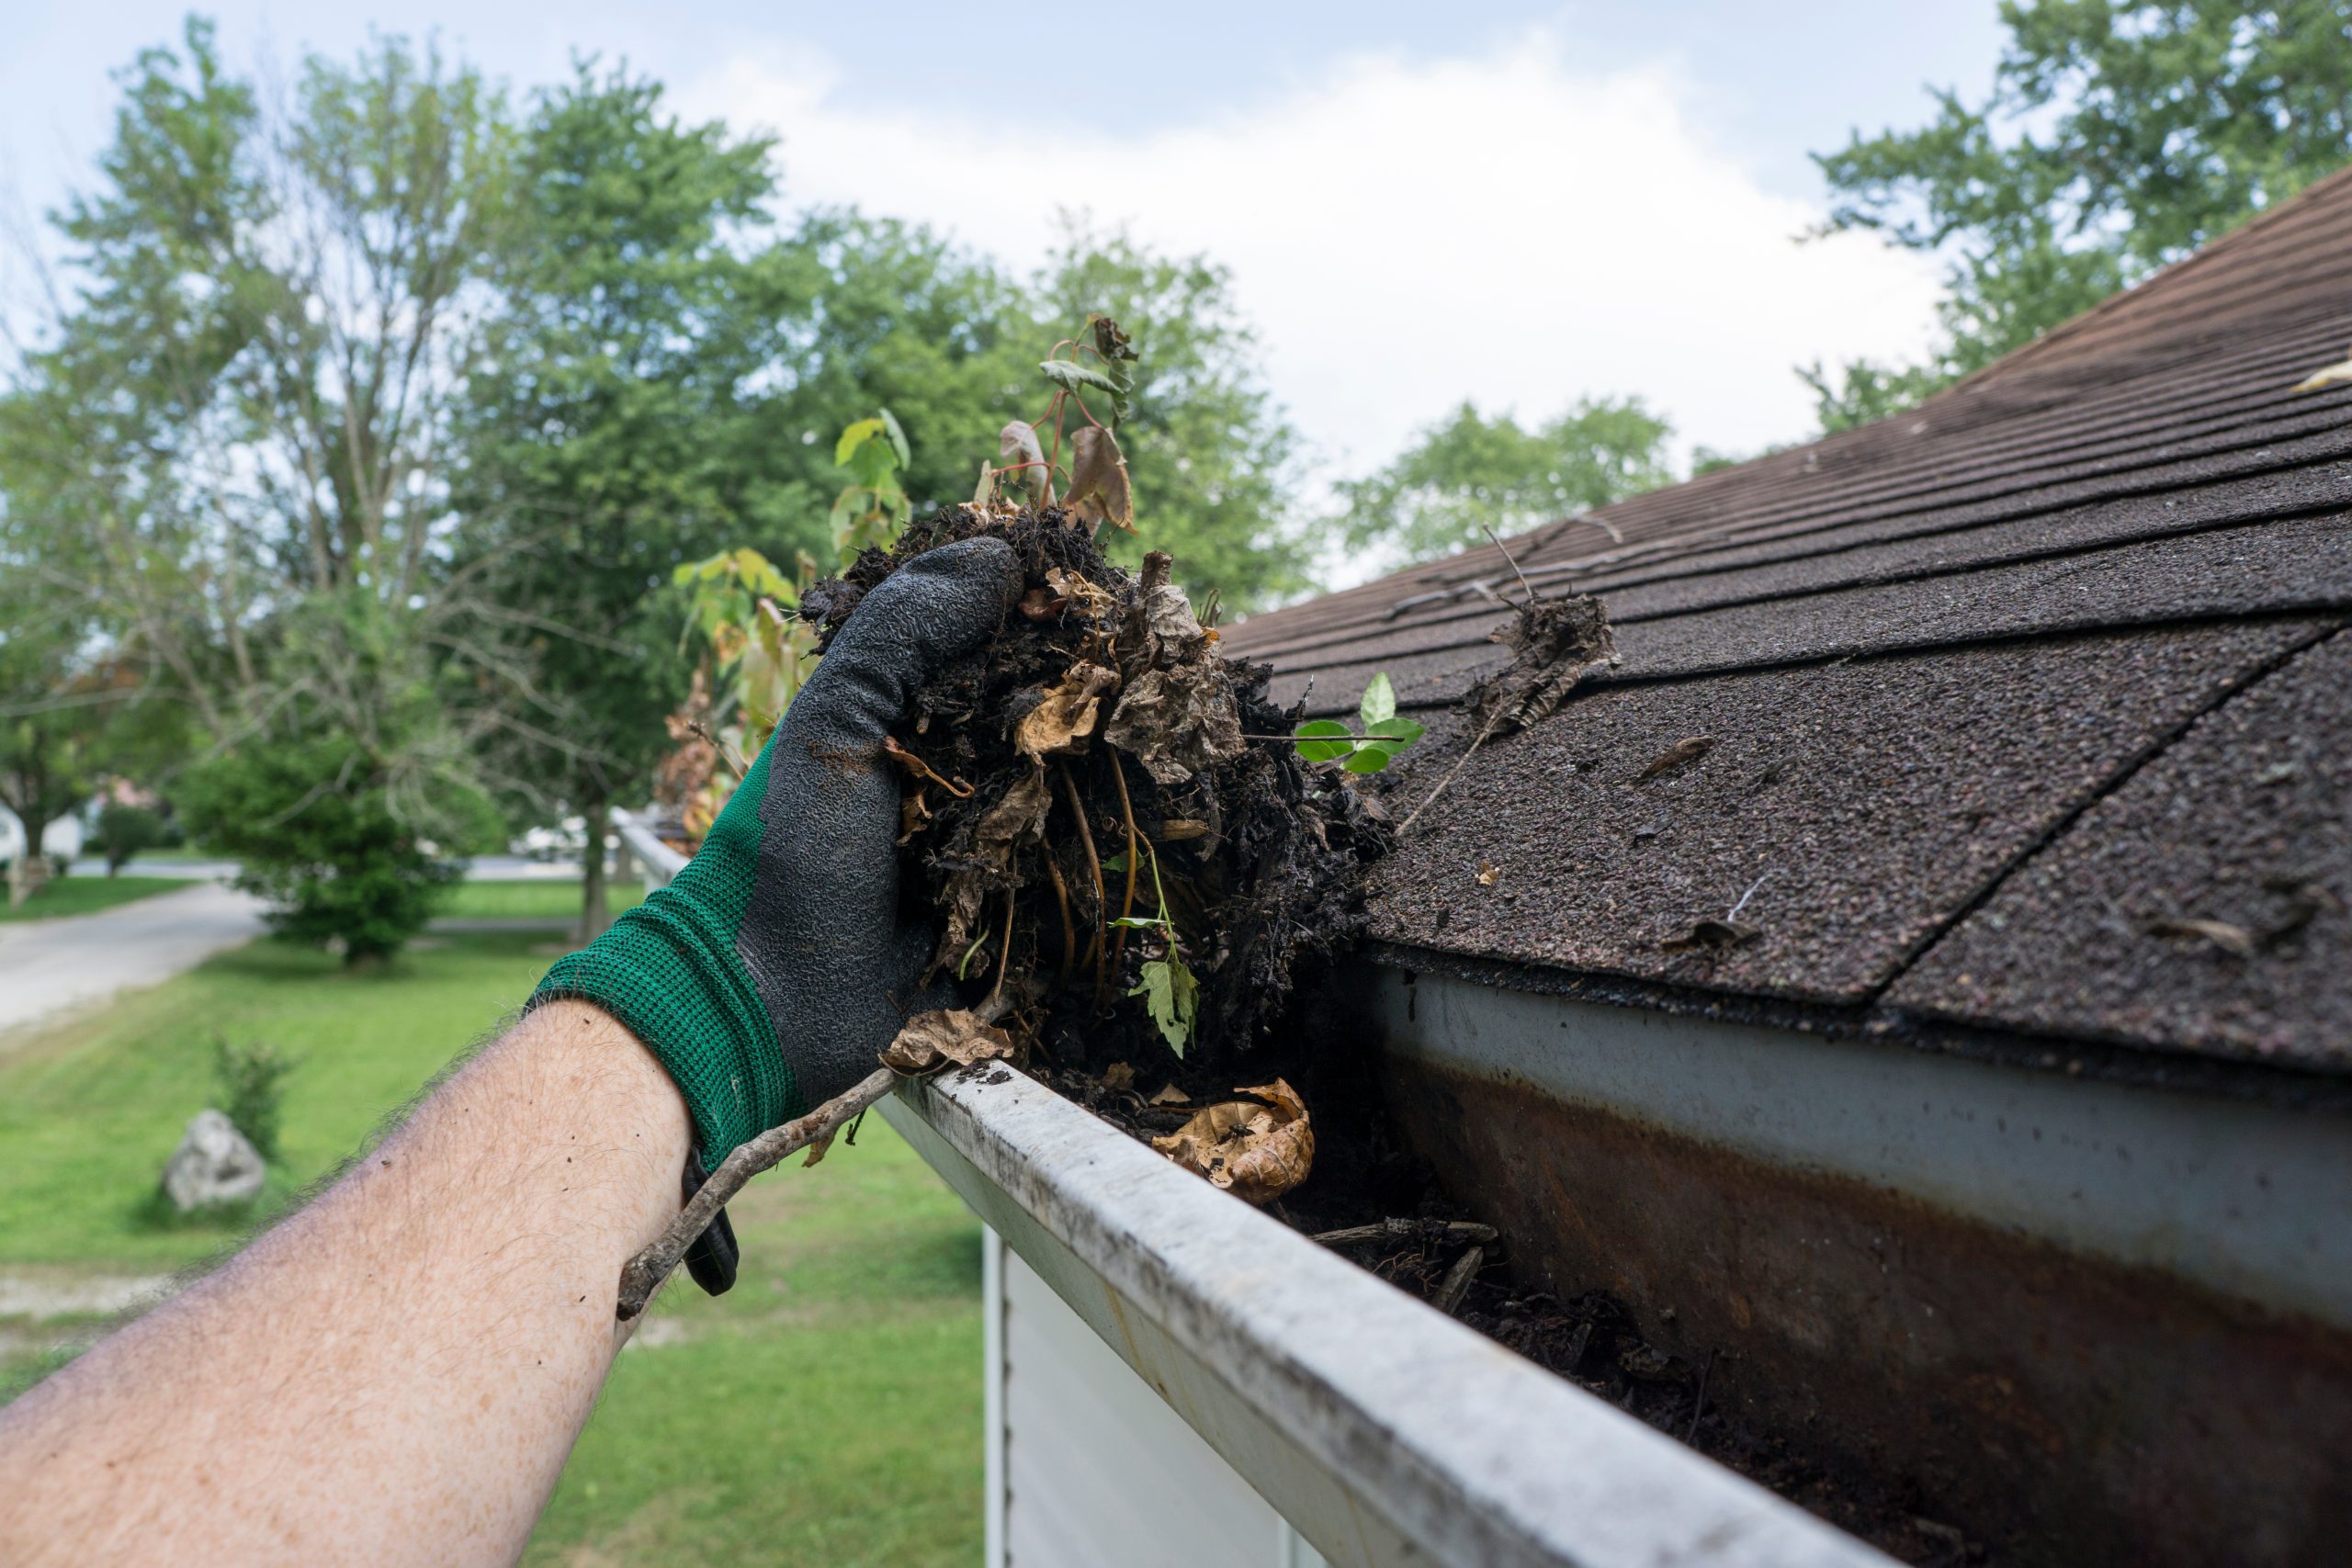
1094	1468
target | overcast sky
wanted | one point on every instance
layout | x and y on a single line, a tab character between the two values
1514	203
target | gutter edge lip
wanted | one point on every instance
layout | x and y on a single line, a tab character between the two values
2298	1085
1469	1451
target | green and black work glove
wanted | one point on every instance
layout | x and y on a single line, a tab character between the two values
775	968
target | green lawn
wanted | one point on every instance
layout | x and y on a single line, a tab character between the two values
827	1409
551	900
85	893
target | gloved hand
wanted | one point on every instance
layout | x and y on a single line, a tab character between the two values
776	966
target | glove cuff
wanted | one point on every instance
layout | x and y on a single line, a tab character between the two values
669	973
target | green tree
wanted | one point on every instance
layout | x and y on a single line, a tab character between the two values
2118	136
1471	473
272	314
1214	458
617	426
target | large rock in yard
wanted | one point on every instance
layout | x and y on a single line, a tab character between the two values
213	1165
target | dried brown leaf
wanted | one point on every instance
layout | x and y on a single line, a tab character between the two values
1714	936
1010	825
817	1150
1017	444
1100	488
1171	1095
2220	933
1257	1152
2327	376
1688	750
1067	713
1489	873
1177	721
930	1040
1119	1076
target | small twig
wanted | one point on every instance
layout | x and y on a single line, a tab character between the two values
1531	595
726	754
1699	1405
1126	905
1448	1299
643	1274
1459	762
1102	898
1004	959
1403	1230
1061	897
1733	913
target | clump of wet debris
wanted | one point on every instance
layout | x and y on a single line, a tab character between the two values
1130	861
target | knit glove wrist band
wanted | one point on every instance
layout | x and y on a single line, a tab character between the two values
670	970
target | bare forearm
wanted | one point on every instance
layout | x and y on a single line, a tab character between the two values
398	1373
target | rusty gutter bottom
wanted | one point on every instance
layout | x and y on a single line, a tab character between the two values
1384	1431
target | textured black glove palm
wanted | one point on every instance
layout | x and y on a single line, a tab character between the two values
773	970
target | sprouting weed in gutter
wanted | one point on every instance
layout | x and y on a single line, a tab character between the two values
1170	992
1385	733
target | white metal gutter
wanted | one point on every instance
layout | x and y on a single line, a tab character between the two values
660	861
1386	1432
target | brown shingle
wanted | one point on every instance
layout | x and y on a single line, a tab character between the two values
2247	821
1947	632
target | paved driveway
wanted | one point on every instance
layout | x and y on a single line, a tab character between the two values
47	967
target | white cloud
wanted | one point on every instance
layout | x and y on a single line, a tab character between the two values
1511	227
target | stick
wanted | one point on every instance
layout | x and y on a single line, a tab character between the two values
1699	1405
1459	762
1448	1299
1128	906
1403	1230
643	1274
1531	595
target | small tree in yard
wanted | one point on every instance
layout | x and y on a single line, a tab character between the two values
124	832
314	825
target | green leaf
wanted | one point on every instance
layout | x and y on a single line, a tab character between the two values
897	438
1371	757
1379	701
1073	376
1402	730
1136	922
853	437
1116	862
1320	739
1173	998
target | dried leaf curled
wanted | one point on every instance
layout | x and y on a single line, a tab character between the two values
1711	936
1688	750
1068	714
1257	1152
932	1040
2220	933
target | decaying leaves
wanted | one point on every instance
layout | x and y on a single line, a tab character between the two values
1683	753
1017	443
1119	1076
1489	873
1177	722
930	1040
1553	642
2327	376
1008	826
1068	715
1100	489
1171	1095
1257	1152
2229	938
1709	936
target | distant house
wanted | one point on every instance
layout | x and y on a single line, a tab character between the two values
1915	982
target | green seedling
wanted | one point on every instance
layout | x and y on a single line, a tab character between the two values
1170	992
1384	733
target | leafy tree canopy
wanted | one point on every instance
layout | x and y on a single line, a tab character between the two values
1471	473
2118	136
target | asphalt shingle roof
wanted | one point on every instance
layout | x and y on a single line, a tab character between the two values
2001	691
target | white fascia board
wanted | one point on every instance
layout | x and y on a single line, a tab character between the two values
1385	1431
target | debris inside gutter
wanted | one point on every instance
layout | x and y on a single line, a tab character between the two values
1139	877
